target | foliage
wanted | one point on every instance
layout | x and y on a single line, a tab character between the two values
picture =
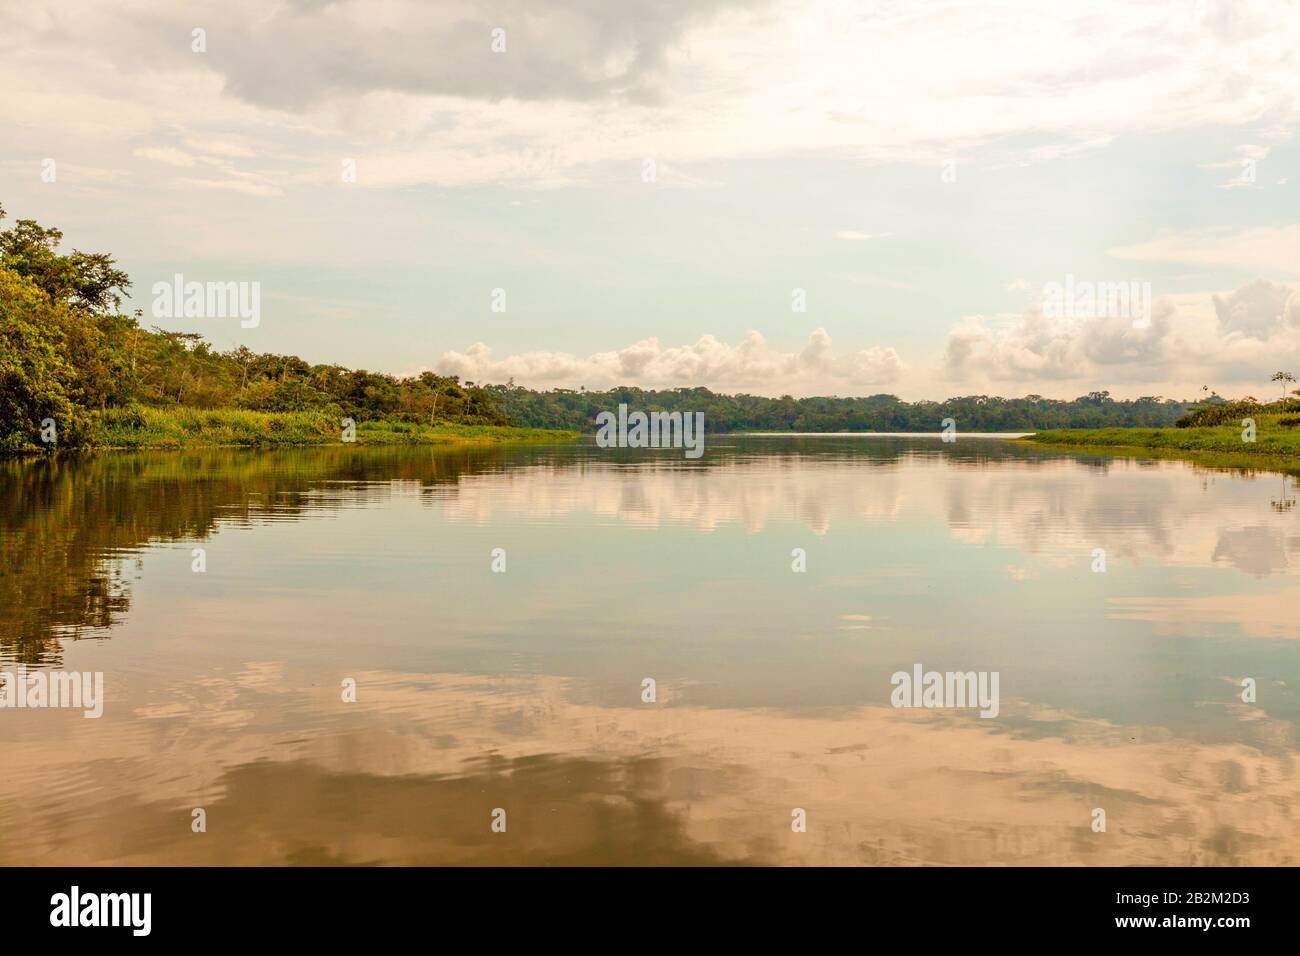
67	355
88	280
138	426
1273	437
38	381
1233	412
577	409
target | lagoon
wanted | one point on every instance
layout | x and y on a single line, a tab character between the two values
522	689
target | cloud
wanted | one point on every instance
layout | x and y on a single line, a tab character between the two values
217	147
877	282
165	154
1034	347
1234	338
416	89
295	55
1258	310
1267	249
710	362
1246	151
244	186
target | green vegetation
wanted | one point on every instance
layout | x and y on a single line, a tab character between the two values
1215	429
140	426
68	356
577	409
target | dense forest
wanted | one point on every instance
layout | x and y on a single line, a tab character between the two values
576	409
68	353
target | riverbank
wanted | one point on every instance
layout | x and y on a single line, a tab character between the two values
143	427
1274	446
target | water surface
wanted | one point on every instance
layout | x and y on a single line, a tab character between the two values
522	690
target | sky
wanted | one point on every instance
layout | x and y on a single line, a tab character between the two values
759	196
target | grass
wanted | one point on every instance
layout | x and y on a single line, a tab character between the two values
1273	441
141	427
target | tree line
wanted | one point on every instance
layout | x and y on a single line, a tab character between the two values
577	409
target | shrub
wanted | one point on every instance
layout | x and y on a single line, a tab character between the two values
1229	414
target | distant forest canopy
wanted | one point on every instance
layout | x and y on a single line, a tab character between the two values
67	354
567	408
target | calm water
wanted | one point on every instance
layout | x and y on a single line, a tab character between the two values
522	690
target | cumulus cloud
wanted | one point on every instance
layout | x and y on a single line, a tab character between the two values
1233	338
1258	310
751	364
1035	347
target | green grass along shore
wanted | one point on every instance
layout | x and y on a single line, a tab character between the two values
1274	443
143	427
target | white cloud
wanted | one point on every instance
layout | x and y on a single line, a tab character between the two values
1032	347
1268	250
1234	339
165	154
1258	311
1250	151
751	364
877	282
217	147
244	186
